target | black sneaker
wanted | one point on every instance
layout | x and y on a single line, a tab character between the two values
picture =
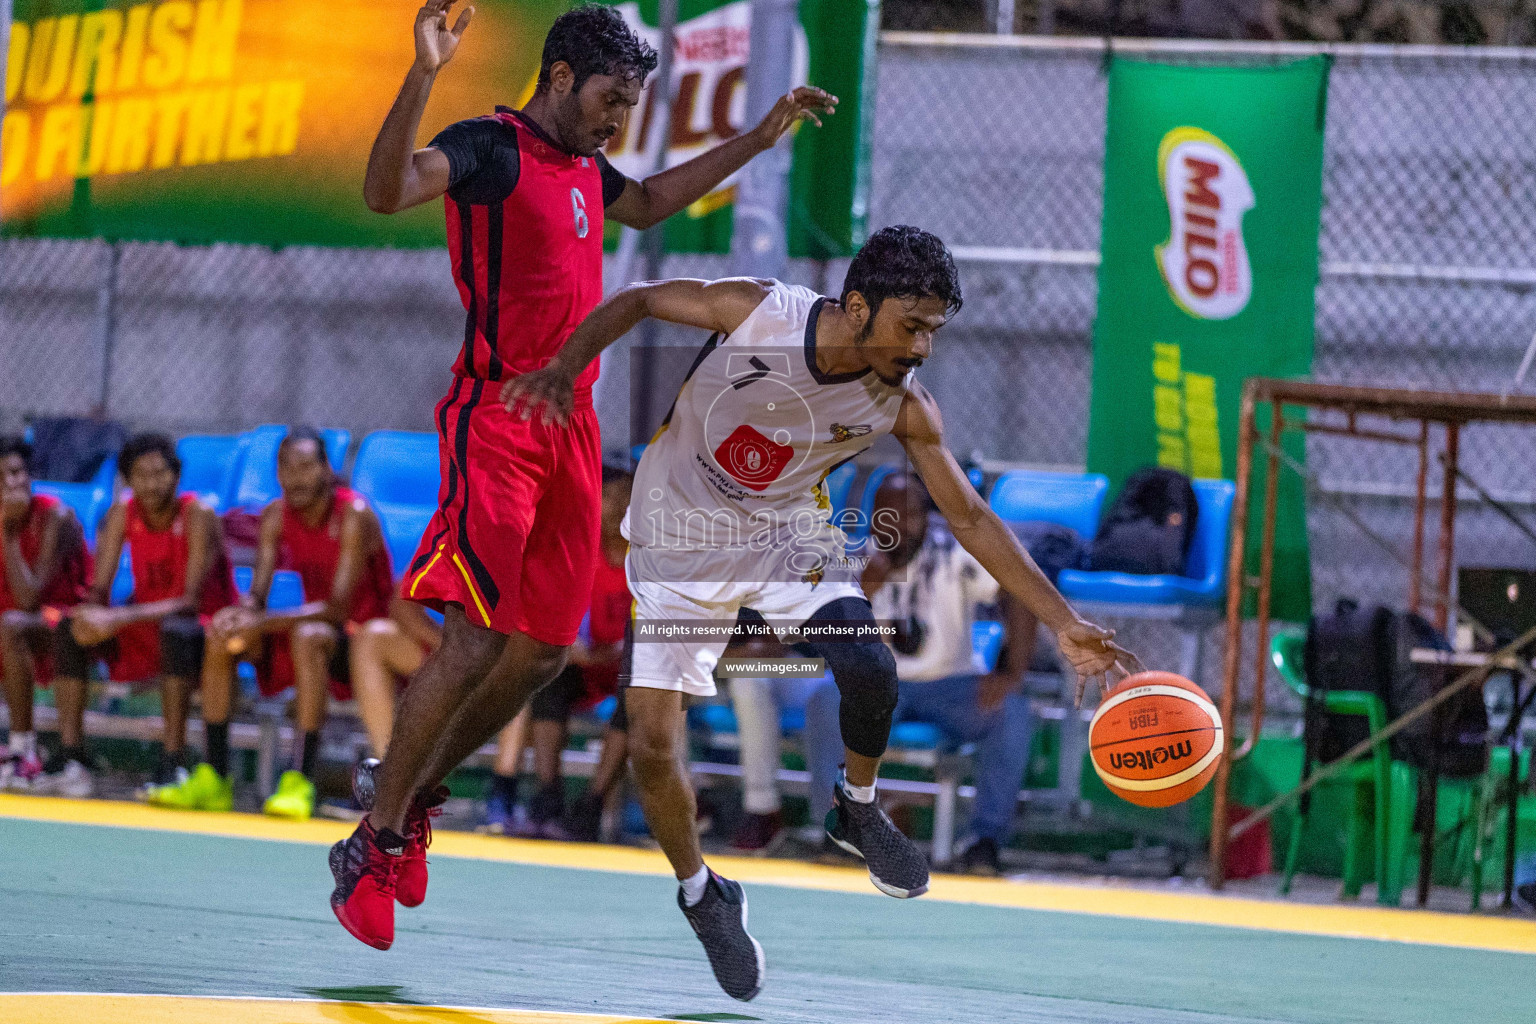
719	919
1525	897
981	858
896	866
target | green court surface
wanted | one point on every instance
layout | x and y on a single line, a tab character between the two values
97	909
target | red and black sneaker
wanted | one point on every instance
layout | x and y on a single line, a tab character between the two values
411	879
411	885
364	897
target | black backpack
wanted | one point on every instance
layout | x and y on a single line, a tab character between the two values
1368	649
1149	527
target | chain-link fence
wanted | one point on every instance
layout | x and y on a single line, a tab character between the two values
997	144
1426	246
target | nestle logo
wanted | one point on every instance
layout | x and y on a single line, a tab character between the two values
1146	760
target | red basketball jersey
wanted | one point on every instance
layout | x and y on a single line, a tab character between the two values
71	584
159	559
525	233
315	551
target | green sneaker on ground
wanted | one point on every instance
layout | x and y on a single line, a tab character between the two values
203	789
294	799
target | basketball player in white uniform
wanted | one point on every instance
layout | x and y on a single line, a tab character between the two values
730	511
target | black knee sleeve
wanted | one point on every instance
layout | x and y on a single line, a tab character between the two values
181	647
70	660
865	672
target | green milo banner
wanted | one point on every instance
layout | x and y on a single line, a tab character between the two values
251	120
1212	199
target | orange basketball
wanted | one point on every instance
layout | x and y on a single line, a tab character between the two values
1155	739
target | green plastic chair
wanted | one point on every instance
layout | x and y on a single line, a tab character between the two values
1381	785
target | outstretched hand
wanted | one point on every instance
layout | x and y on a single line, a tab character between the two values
436	43
806	103
1093	654
549	392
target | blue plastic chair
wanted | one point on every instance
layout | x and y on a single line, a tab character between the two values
287	587
1073	500
255	478
839	483
397	467
1192	602
1204	579
986	643
89	502
122	582
403	527
208	467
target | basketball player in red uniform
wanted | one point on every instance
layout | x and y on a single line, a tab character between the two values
181	577
329	535
44	570
509	554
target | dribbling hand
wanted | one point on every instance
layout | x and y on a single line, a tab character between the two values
802	104
436	43
550	392
1093	654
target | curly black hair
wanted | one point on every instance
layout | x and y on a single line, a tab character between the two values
595	40
140	445
15	444
903	262
300	434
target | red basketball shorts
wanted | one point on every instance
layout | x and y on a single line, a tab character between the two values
514	541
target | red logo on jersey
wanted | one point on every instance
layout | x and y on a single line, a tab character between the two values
752	459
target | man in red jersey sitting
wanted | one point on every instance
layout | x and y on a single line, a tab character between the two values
45	569
181	577
329	535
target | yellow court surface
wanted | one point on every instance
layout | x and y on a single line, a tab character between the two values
81	1007
117	913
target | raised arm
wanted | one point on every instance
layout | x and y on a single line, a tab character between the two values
713	305
648	202
399	175
1089	648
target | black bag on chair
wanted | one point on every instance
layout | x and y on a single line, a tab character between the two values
1345	650
1369	649
1463	745
1149	527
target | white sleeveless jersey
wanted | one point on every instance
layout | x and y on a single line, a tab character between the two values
741	463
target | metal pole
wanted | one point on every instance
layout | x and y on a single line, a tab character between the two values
1415	580
643	383
759	242
1447	525
106	323
1232	657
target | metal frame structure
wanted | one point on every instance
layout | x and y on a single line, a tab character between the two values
1449	410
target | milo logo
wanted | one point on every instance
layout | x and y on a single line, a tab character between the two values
1204	263
1146	760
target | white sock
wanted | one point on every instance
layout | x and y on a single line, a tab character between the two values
859	794
693	888
24	744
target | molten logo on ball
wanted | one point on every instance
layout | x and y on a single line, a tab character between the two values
1145	760
754	461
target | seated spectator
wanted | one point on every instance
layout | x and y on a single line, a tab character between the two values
591	675
385	653
330	536
181	578
925	585
759	703
45	569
